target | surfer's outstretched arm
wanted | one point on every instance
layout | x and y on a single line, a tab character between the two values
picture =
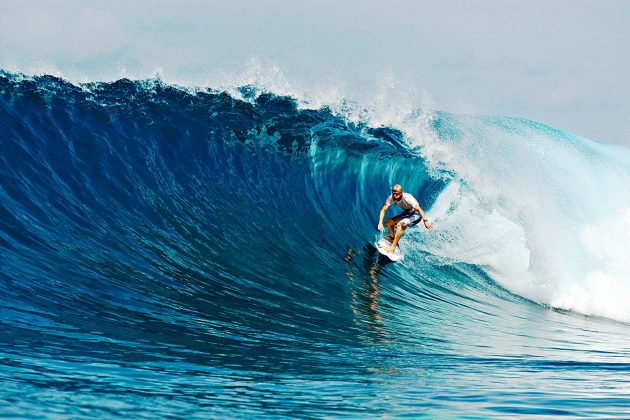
381	216
427	224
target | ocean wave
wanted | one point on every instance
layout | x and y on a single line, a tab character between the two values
155	230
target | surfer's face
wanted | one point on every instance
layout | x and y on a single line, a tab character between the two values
397	195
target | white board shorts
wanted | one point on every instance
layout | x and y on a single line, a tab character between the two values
408	218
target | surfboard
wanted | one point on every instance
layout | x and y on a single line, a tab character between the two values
382	246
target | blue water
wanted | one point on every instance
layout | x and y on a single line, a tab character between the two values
189	253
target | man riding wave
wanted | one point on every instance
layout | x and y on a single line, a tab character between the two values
412	215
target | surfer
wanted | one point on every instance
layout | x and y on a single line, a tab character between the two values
412	215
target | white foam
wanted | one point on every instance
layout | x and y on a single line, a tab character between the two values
545	213
605	288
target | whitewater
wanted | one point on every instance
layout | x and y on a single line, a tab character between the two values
177	251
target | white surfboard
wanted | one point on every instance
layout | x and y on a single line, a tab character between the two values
383	244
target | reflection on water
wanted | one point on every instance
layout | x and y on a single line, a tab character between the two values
363	276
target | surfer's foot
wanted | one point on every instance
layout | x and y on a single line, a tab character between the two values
391	250
390	239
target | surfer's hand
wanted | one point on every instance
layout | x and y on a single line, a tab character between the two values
428	225
380	227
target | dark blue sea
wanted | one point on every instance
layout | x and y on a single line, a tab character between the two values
178	252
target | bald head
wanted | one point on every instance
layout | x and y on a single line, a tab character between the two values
397	192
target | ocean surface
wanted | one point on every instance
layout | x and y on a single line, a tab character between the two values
177	252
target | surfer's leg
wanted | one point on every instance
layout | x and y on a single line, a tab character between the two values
399	221
391	223
390	227
400	228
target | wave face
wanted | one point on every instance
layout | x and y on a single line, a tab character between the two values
177	252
